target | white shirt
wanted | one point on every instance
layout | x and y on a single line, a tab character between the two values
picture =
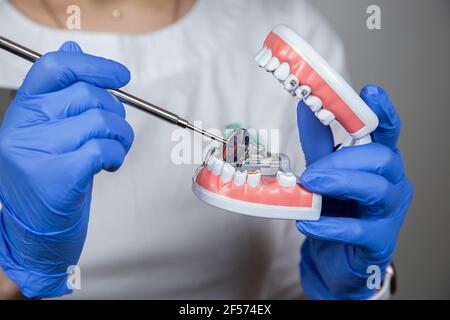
149	237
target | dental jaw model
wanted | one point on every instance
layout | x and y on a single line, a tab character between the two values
242	177
307	76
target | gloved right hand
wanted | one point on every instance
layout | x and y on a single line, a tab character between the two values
62	128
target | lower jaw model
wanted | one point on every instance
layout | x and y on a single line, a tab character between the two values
245	179
242	177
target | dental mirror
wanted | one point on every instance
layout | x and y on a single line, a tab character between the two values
245	153
236	150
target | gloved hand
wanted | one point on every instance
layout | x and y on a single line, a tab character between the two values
61	129
366	197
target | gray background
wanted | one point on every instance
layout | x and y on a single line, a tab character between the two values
409	56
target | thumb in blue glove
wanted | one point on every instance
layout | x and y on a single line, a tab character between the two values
365	199
62	128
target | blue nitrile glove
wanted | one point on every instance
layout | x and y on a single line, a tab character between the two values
366	197
60	130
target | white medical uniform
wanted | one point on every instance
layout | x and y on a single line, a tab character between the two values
149	237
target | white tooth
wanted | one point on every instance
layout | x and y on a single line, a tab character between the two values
227	172
260	54
291	83
210	163
265	58
279	173
325	116
303	92
254	178
240	177
286	179
314	103
273	64
283	71
217	166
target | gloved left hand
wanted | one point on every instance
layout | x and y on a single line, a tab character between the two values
366	195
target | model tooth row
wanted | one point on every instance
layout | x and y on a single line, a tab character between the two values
227	173
282	72
253	178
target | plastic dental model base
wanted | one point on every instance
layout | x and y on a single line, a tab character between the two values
241	177
306	75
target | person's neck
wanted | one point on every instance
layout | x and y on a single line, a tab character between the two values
129	16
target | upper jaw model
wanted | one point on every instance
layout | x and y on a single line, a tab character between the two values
307	76
242	177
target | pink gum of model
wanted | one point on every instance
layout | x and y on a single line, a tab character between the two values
268	192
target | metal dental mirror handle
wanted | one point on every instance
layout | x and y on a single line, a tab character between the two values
124	97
